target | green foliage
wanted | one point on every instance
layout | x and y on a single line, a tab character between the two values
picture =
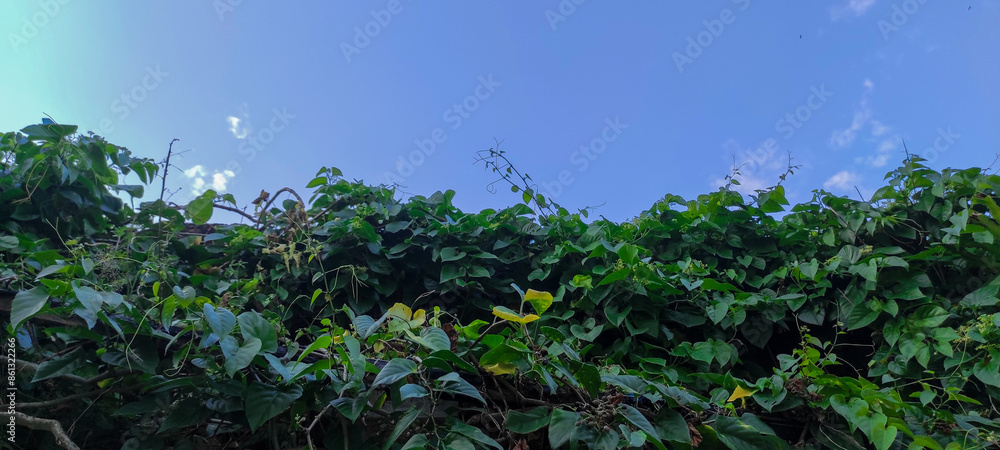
356	318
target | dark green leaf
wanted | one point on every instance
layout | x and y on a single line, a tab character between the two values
394	370
26	304
264	401
529	421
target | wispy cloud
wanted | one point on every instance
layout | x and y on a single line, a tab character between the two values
841	181
856	7
862	117
240	126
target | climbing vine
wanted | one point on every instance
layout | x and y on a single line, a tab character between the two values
355	318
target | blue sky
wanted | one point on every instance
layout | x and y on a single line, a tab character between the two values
602	103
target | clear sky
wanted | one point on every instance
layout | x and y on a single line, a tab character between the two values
613	103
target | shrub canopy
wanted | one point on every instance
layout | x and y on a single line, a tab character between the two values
355	318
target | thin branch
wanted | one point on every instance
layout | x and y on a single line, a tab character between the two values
166	166
313	424
274	197
237	211
62	400
37	423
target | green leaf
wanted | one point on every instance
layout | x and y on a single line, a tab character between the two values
988	370
451	254
417	441
243	357
134	190
200	209
615	276
394	370
89	297
475	434
928	316
318	181
450	272
351	407
629	254
401	426
590	378
263	401
432	338
254	326
221	320
636	418
741	436
408	391
187	412
26	304
49	132
672	427
60	365
452	383
562	426
8	242
529	421
323	341
984	296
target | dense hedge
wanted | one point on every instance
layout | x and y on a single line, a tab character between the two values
356	319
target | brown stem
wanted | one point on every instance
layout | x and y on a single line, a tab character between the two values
37	423
166	166
237	211
62	400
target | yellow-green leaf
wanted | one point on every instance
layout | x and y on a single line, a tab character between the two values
400	311
540	300
419	317
500	368
511	316
739	393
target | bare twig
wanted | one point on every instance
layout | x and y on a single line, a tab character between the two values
37	423
237	211
166	166
313	424
32	368
62	400
274	197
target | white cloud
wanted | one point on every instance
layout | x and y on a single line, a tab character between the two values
845	137
240	126
857	7
862	118
196	171
760	167
878	128
219	180
842	180
199	179
749	184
